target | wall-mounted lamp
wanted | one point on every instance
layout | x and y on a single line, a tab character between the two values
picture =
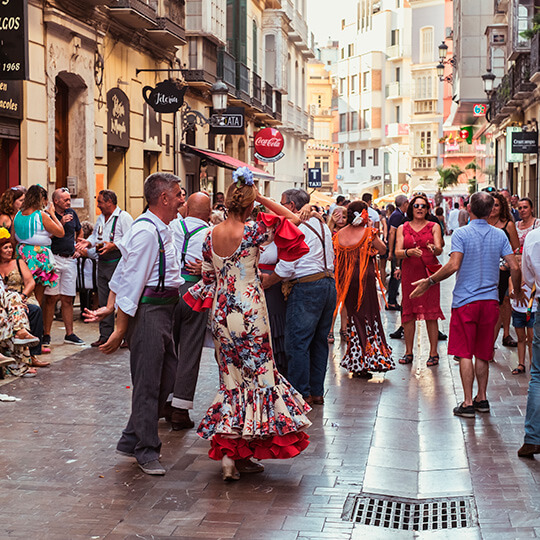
488	79
443	51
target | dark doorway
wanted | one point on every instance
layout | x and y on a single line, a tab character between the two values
61	133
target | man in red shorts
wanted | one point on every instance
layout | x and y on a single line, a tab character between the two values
475	255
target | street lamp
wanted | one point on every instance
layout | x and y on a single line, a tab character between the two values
192	118
488	79
443	51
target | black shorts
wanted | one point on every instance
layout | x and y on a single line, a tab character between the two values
504	277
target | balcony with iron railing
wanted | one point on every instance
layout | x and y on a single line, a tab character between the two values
268	105
139	14
242	82
278	107
226	69
170	24
423	163
535	58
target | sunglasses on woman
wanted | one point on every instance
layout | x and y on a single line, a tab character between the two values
418	205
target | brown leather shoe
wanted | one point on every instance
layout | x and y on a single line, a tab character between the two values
317	400
528	450
180	419
35	362
98	343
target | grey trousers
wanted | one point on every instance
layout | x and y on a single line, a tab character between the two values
189	332
153	366
105	271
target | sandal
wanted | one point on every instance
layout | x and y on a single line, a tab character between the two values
406	359
508	341
343	335
331	338
519	370
433	361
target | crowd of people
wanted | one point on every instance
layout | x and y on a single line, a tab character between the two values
263	284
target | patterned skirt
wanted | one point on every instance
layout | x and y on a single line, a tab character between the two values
40	261
13	316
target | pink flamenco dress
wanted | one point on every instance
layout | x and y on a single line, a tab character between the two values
428	306
256	412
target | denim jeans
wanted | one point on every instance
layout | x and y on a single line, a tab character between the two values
309	320
532	418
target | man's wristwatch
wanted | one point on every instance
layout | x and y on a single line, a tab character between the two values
430	281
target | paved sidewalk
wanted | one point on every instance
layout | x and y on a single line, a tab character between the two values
394	435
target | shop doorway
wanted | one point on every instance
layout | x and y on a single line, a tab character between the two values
61	132
151	163
117	174
9	164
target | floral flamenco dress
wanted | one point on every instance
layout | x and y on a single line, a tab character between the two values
256	412
355	273
33	247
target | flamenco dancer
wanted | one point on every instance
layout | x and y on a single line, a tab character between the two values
256	413
355	247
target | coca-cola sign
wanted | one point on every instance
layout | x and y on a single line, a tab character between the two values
269	145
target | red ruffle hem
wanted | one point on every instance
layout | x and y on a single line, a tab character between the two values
289	239
198	304
276	447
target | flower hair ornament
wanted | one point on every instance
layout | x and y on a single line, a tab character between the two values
4	233
360	218
243	176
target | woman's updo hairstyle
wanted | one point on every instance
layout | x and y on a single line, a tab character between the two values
35	198
355	207
242	192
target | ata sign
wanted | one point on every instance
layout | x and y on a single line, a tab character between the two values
166	97
269	145
13	40
231	122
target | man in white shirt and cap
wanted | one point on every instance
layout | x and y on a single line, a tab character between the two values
147	291
310	305
189	325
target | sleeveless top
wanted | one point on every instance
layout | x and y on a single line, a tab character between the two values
30	230
522	233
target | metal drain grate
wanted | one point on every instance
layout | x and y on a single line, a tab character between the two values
411	514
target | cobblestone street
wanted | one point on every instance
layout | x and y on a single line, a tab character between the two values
392	436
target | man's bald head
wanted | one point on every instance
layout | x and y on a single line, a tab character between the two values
199	206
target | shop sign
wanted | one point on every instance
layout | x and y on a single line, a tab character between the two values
117	118
510	156
269	145
525	142
479	109
13	40
315	177
231	122
11	99
166	97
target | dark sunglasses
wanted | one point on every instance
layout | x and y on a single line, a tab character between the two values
418	205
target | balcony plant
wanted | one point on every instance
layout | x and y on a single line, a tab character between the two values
448	176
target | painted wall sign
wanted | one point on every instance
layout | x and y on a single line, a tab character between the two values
11	99
166	97
269	145
525	142
230	123
117	118
13	40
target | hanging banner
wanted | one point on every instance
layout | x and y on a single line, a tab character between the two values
117	118
13	40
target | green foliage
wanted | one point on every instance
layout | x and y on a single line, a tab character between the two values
448	176
473	185
472	166
530	32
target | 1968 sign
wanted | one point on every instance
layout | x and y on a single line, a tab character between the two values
13	40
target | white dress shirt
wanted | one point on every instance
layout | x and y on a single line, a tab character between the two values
139	267
195	242
123	224
373	215
453	222
530	262
268	254
312	262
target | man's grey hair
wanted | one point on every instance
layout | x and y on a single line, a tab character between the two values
158	183
401	200
299	197
481	204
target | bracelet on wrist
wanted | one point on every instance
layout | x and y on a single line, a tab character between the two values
430	281
406	254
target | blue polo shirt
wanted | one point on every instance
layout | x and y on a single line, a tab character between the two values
478	276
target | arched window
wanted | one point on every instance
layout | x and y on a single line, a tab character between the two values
427	47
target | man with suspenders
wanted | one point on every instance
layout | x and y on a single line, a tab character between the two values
147	291
311	291
189	325
110	227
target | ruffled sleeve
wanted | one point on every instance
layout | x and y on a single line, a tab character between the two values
289	239
201	296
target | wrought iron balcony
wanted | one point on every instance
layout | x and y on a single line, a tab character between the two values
141	14
226	69
268	99
278	105
535	58
257	92
242	82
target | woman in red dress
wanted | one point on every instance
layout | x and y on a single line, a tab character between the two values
418	243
